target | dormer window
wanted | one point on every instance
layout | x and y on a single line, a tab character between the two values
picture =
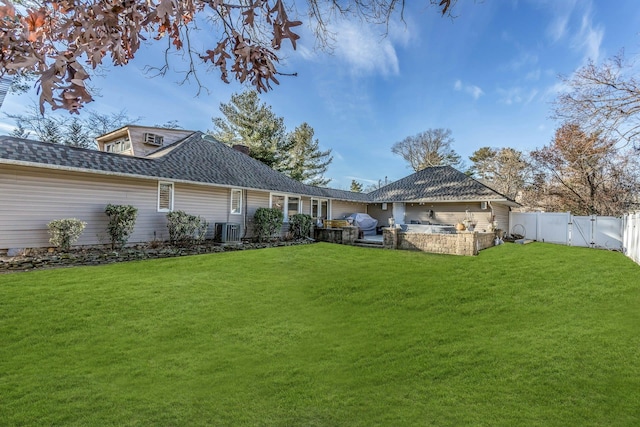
118	146
153	139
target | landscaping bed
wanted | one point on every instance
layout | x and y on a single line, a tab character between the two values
42	258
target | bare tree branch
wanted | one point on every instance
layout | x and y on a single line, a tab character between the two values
603	98
54	39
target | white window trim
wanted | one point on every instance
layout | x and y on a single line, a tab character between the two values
239	192
160	183
326	214
286	203
118	146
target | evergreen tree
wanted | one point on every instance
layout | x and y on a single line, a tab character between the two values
249	122
305	162
506	170
356	187
77	135
20	132
51	131
73	131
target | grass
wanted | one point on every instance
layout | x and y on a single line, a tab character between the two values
326	335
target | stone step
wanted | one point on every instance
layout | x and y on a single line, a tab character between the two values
368	244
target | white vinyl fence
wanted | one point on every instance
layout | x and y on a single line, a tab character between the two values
631	236
603	232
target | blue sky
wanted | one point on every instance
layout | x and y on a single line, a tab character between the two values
490	75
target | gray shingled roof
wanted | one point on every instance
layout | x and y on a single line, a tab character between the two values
197	158
437	184
61	156
201	159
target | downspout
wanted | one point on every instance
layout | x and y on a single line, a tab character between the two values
246	212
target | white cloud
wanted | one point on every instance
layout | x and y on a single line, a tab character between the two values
6	128
589	38
517	95
533	75
366	51
473	90
553	91
573	21
562	11
524	59
360	179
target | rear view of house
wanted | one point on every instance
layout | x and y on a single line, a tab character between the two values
161	170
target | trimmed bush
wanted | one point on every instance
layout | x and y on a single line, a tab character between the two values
122	219
65	232
185	229
300	225
266	222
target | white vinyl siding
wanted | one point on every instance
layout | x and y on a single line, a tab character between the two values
165	196
236	202
340	208
255	200
31	197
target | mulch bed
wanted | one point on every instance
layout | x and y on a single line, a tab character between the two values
39	259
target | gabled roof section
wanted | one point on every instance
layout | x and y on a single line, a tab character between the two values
57	156
125	130
437	184
201	158
333	193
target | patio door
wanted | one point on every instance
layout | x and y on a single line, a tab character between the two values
398	213
319	210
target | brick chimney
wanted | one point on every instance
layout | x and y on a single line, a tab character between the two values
241	148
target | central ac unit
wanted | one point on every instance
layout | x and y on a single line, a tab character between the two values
228	232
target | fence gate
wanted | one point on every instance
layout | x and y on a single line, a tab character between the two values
582	231
563	228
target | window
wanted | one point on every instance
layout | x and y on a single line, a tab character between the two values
277	202
165	196
319	209
118	146
236	202
289	205
293	206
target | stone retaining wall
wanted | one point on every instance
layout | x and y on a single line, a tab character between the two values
462	243
42	258
343	235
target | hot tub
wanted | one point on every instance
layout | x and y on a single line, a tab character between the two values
428	228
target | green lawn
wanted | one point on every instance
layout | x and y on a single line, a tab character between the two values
326	335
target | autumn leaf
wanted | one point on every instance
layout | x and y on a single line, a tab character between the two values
7	11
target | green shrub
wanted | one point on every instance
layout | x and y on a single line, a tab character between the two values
300	225
65	232
266	222
185	229
122	219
